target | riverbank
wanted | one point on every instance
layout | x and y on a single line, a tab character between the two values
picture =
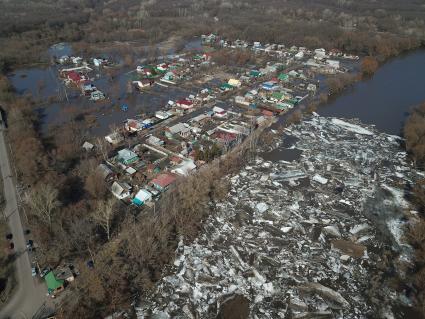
385	99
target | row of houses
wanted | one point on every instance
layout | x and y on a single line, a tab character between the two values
173	71
273	48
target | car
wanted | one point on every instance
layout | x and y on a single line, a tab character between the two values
9	236
45	271
11	246
30	244
33	271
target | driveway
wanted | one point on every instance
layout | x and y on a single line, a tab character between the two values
30	295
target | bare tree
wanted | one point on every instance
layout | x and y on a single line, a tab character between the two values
43	200
103	147
104	214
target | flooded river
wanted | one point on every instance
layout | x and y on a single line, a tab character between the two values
385	99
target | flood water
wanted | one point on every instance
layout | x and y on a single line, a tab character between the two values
386	98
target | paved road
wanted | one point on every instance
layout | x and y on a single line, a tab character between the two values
31	293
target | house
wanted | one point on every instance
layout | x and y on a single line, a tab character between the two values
75	77
97	95
299	55
267	113
88	88
333	64
105	172
127	156
99	62
163	181
269	85
169	77
226	87
153	140
114	138
255	73
241	100
225	138
175	160
200	118
144	70
76	60
184	104
133	125
143	83
234	82
219	112
234	128
311	87
261	120
320	53
120	190
184	168
211	38
53	285
63	59
179	129
277	96
88	146
162	115
283	77
147	123
130	171
65	273
293	73
162	67
142	197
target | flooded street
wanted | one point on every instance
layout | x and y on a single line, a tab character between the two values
58	103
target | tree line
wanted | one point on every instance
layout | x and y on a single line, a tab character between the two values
414	134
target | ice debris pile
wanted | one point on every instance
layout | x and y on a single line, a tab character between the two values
300	239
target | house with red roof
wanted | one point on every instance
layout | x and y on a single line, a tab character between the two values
163	181
75	77
185	104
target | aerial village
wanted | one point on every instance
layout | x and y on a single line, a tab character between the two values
145	154
152	150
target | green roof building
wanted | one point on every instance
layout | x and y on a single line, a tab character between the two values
127	156
52	282
277	96
254	73
226	87
283	77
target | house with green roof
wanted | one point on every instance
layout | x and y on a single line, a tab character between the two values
127	156
283	77
255	74
53	284
226	87
277	96
281	106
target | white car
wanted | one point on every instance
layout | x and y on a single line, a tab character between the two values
33	271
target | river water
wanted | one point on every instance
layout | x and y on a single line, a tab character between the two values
386	98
